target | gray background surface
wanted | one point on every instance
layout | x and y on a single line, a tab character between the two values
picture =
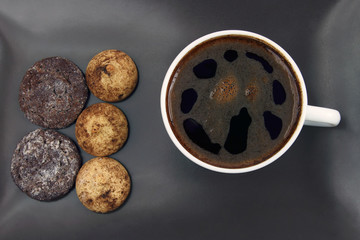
311	192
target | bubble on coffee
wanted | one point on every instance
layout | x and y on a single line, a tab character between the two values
233	101
236	140
279	94
205	69
188	99
230	55
197	134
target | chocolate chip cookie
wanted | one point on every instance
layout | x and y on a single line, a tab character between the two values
101	129
103	184
111	75
53	92
44	164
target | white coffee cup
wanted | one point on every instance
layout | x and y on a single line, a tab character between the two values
310	115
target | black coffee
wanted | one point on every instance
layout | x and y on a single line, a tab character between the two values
233	102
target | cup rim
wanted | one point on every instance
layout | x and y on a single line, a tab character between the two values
258	37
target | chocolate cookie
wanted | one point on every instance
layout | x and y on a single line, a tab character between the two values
101	129
103	184
44	164
111	75
53	92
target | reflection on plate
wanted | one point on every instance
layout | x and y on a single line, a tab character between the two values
339	73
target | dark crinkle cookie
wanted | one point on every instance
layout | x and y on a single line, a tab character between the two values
45	164
53	92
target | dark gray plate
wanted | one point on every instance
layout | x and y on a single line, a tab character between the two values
312	192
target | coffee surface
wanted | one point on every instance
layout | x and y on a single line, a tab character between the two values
233	101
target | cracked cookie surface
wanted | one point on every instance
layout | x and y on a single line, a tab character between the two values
111	75
101	129
53	92
44	164
103	184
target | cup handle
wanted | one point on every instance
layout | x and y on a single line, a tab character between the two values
321	117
